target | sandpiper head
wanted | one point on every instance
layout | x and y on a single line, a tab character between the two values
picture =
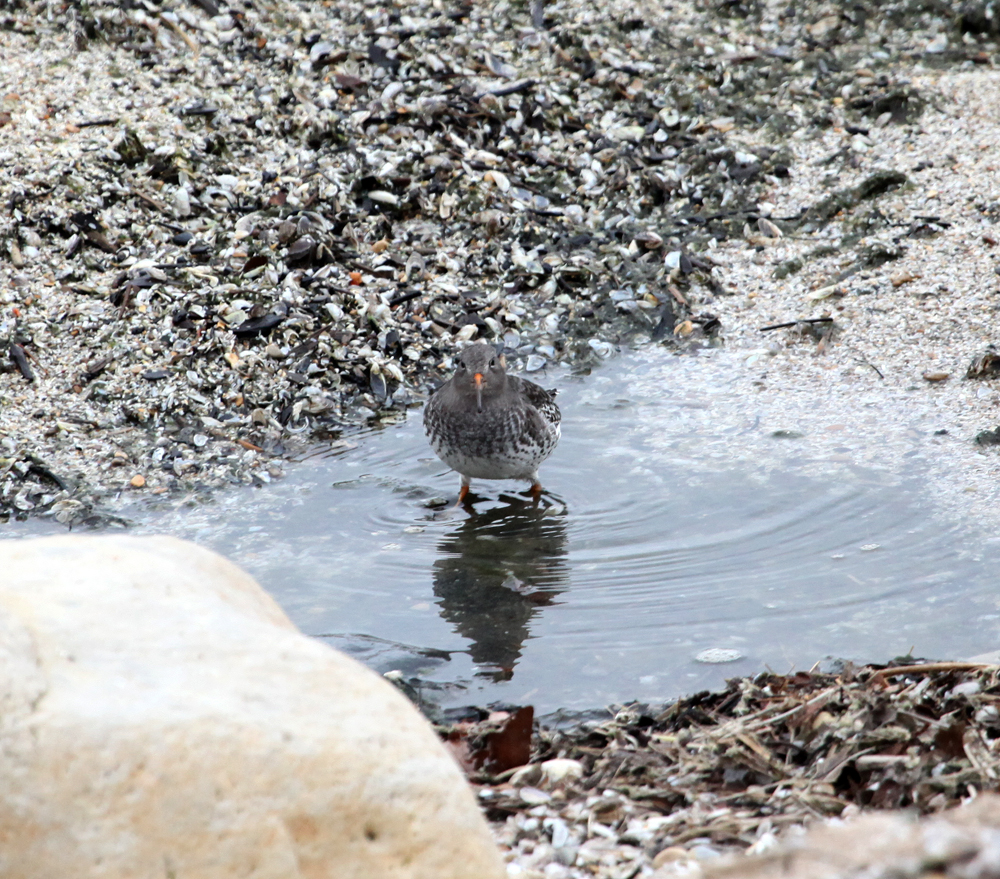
480	371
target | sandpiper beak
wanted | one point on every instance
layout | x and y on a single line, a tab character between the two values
479	390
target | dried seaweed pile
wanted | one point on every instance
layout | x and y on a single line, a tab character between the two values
730	770
231	227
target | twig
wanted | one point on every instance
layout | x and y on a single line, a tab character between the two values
20	358
521	85
793	323
864	362
46	473
153	203
191	44
404	297
92	122
929	667
754	724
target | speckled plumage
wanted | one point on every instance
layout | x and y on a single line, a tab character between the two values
502	430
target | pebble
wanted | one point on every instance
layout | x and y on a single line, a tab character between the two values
533	796
669	855
560	770
714	655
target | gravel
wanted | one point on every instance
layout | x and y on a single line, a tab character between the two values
228	232
700	784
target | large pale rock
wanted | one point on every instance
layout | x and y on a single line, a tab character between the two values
161	717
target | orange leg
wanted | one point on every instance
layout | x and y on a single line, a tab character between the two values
462	494
536	491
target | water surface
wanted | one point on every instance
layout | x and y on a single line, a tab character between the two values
651	545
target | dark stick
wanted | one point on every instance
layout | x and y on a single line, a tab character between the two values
44	471
863	362
91	122
21	360
404	297
792	323
520	86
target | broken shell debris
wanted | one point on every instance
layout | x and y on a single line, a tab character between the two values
671	790
233	230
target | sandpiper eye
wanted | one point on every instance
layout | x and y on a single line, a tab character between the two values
493	363
461	366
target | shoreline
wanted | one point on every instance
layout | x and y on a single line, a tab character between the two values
691	787
228	236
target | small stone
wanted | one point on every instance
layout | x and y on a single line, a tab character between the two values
529	776
137	481
938	45
533	796
182	203
382	197
828	291
900	278
966	688
498	179
628	133
560	770
716	655
766	227
669	855
705	852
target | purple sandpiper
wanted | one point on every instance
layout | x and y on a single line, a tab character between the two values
486	424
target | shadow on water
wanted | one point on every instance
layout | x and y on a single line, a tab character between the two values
495	572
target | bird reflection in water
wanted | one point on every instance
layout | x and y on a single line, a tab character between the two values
495	572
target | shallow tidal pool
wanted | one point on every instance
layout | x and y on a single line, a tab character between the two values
673	523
